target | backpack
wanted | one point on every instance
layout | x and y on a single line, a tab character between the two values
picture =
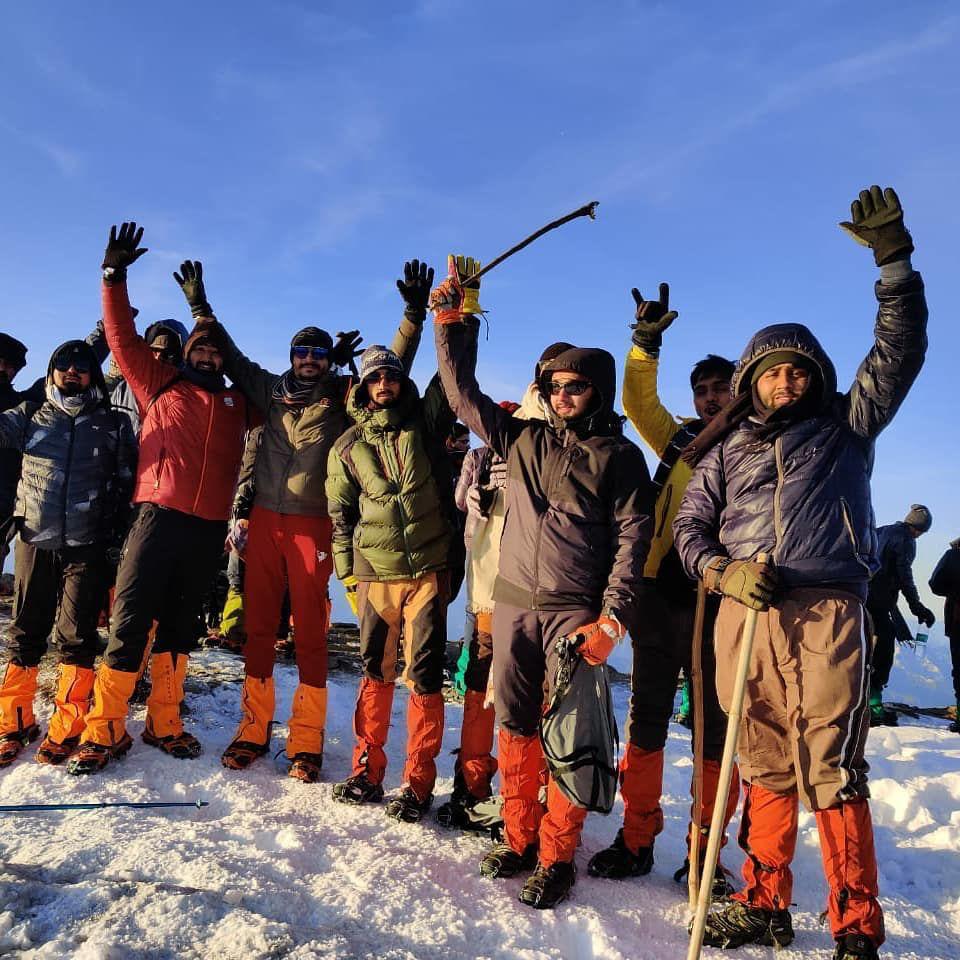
579	731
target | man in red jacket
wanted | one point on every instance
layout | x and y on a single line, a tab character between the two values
191	442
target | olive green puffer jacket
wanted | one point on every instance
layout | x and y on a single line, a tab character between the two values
390	487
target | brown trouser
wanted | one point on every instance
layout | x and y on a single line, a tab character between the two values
805	718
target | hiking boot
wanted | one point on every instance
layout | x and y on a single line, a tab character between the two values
548	886
12	743
618	862
502	860
738	924
56	753
241	753
407	807
881	716
954	726
720	889
183	746
306	767
855	946
357	789
93	757
141	692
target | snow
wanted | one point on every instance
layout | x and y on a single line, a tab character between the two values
275	868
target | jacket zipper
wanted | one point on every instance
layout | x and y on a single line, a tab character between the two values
161	457
548	490
848	523
393	465
66	478
777	495
206	450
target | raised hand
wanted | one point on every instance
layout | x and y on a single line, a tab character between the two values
652	317
123	248
876	221
190	280
346	348
415	286
466	267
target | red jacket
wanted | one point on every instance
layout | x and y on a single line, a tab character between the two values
191	440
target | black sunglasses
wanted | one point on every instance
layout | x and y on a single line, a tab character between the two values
63	364
572	388
314	353
390	376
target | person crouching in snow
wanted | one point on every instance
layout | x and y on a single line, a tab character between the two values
191	441
576	535
784	470
72	500
391	501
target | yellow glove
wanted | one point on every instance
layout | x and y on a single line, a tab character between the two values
465	267
350	587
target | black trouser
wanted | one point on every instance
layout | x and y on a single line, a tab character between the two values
662	643
888	627
58	589
169	560
955	657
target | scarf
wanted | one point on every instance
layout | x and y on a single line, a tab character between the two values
292	392
211	382
73	404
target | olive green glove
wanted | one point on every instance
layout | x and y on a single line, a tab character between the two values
877	222
191	283
652	318
751	583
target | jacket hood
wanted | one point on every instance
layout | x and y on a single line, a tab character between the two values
83	350
13	351
172	327
532	405
794	337
596	365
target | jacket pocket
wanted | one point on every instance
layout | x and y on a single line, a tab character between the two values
161	458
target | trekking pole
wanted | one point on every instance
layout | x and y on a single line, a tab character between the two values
587	210
723	782
35	807
696	683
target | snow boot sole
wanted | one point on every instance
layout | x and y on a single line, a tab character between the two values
549	886
12	743
241	753
93	757
618	862
407	807
357	790
56	753
183	746
306	767
503	861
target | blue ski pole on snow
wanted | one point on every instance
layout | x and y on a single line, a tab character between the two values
34	807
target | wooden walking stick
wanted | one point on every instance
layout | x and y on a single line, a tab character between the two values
723	782
696	704
587	210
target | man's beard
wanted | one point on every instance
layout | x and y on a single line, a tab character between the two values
4	378
71	388
205	366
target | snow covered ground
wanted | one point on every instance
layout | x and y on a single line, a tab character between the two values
274	868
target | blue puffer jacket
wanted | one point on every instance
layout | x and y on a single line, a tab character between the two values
803	497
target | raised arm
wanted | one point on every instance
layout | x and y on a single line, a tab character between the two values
900	332
134	357
641	403
414	287
456	332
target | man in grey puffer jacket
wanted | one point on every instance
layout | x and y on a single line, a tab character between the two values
75	483
785	472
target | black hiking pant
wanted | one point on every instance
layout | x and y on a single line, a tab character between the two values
662	634
169	561
888	627
57	590
955	659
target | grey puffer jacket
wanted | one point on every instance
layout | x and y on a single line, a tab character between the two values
803	497
77	471
578	496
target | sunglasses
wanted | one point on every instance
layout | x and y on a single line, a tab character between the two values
314	353
63	364
388	376
572	388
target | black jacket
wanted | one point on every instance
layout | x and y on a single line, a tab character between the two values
897	549
803	496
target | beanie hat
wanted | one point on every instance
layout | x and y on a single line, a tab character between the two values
311	337
919	517
378	357
13	351
206	332
81	351
775	357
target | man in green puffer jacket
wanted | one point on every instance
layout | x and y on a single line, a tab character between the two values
391	502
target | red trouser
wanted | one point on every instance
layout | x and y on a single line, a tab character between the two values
282	549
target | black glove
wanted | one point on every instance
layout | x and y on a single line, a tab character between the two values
415	289
652	318
878	223
346	347
925	615
191	283
122	250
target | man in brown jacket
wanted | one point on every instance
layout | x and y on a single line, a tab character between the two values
577	532
289	540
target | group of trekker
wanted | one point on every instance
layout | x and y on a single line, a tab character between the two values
763	496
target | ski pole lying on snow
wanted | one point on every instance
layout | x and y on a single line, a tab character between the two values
587	210
31	807
723	782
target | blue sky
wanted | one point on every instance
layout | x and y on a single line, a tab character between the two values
304	151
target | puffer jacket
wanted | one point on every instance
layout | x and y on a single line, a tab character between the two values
191	438
77	470
896	551
945	582
578	499
389	487
803	497
291	469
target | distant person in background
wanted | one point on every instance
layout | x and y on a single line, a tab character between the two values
945	582
897	551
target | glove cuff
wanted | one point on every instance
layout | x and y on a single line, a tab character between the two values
415	315
112	275
713	573
444	317
201	311
651	347
471	301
